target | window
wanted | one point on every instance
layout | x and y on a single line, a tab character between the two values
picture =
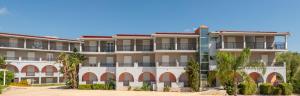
37	44
109	61
127	61
92	61
146	60
183	60
50	56
165	60
31	56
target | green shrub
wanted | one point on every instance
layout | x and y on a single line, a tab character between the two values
229	87
247	88
167	89
296	86
146	87
98	87
85	87
129	88
21	83
286	88
276	91
265	89
8	77
110	85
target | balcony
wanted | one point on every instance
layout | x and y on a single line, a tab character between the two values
233	45
276	45
126	65
143	64
64	48
108	48
183	64
125	48
144	47
186	46
11	58
89	65
30	73
107	65
255	45
167	64
38	46
90	48
10	44
165	46
31	58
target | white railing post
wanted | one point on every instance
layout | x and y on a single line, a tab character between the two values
222	36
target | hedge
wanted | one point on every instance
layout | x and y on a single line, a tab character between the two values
287	88
98	86
247	88
21	83
265	89
85	87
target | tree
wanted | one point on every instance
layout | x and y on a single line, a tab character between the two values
2	63
230	66
292	60
193	71
70	67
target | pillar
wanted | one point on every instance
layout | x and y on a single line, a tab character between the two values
25	45
80	47
134	46
222	36
69	47
265	42
154	44
244	41
175	43
116	45
99	44
286	46
48	45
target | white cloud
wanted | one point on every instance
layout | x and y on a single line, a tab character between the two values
3	11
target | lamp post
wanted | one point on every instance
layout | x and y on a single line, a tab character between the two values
4	76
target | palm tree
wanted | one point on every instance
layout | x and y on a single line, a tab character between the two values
70	67
2	62
193	71
230	66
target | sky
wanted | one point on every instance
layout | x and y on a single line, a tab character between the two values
73	18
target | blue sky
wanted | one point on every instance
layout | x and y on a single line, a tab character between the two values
73	18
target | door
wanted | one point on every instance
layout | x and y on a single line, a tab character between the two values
31	56
265	59
184	44
165	60
259	42
126	45
13	42
146	45
109	61
50	56
92	61
183	60
231	42
165	43
127	61
93	46
146	61
10	55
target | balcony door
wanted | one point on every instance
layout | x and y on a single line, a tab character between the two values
146	61
31	56
146	45
92	61
165	60
50	56
13	42
126	45
10	55
109	61
231	42
127	61
165	43
259	42
93	46
184	44
183	60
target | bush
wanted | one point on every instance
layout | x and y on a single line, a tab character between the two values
296	86
21	83
85	87
8	77
286	88
167	89
110	85
276	91
98	87
146	87
265	89
229	87
247	88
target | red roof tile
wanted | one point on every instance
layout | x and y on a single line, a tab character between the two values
96	36
40	37
142	35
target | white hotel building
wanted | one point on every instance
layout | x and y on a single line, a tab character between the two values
132	59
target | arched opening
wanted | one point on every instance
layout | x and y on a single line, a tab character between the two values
256	77
12	68
184	78
126	78
49	70
167	78
275	78
30	70
107	77
147	77
89	77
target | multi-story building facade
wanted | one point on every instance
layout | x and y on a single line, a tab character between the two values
131	60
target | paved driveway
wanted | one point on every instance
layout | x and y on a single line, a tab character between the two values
56	91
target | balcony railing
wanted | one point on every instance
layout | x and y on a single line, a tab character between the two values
126	64
233	45
167	64
49	74
11	58
31	58
10	44
107	65
143	64
37	46
183	64
108	48
165	46
255	45
125	47
89	65
144	47
90	48
279	45
64	48
186	46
